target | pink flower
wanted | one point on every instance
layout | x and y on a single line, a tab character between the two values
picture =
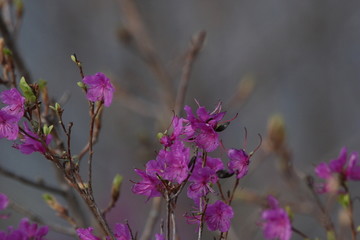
4	202
202	129
25	231
177	124
86	234
99	88
159	237
122	232
218	216
276	222
239	162
30	144
8	126
148	186
15	102
346	170
201	180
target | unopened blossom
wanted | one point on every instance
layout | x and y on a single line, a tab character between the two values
25	231
31	142
202	128
218	216
122	232
239	162
14	101
345	170
275	221
99	88
8	126
4	202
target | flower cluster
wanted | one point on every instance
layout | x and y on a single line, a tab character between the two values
174	166
339	168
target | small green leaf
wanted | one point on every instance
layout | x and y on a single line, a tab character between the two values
48	197
344	200
330	235
81	84
159	135
7	51
57	107
289	212
358	229
42	84
73	58
27	91
117	181
47	129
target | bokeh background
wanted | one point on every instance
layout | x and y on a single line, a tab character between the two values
302	56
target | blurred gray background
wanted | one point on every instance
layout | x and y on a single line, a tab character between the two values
303	55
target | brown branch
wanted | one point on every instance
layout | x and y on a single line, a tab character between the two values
152	218
37	184
136	29
36	218
196	45
10	43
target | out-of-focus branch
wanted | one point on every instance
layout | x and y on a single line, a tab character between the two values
36	218
196	45
143	44
137	105
37	184
152	218
10	43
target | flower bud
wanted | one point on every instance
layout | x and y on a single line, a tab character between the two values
276	131
116	185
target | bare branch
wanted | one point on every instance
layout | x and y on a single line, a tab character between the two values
37	184
196	45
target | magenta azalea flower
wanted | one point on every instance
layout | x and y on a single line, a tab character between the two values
276	222
15	102
86	234
346	170
25	231
159	237
171	164
201	180
148	186
4	202
99	88
201	129
177	124
122	232
218	216
239	162
8	126
29	144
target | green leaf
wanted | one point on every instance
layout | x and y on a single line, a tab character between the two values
7	51
344	200
27	91
330	235
73	58
47	129
42	84
81	84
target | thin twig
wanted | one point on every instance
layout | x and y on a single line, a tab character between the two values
143	43
196	45
300	233
152	218
37	184
36	218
